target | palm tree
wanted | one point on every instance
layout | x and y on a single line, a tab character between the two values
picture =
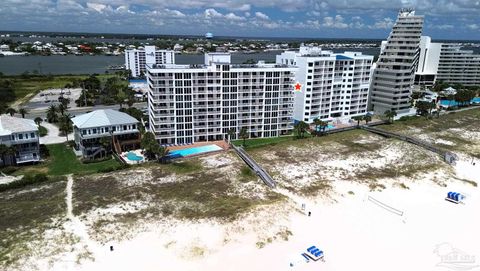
121	96
243	134
162	153
301	127
62	108
367	118
317	122
23	112
390	114
52	114
65	125
11	111
38	121
323	125
231	133
358	119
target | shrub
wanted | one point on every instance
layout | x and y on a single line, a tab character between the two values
26	180
8	170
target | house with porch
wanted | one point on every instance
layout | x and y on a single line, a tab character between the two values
120	130
20	139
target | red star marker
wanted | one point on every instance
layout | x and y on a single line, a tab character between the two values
298	87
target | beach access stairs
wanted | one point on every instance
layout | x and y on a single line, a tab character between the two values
449	157
266	178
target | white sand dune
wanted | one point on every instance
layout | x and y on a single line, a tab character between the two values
354	233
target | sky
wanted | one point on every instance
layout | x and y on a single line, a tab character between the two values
455	19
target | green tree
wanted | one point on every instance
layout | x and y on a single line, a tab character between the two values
23	112
423	108
38	121
231	133
358	119
390	114
244	135
150	144
52	116
3	152
121	97
367	118
11	111
65	125
301	128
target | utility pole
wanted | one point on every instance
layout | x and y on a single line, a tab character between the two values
84	94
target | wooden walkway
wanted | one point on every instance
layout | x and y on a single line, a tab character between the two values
449	157
267	179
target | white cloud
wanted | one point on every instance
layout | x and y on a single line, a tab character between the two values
97	7
261	16
473	26
385	23
212	13
233	17
337	22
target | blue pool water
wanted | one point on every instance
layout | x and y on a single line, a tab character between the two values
194	150
133	157
138	81
329	126
447	103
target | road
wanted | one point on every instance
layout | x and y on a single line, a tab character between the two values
78	111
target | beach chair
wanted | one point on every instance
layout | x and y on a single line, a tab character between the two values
314	253
455	197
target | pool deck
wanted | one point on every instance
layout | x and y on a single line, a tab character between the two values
222	144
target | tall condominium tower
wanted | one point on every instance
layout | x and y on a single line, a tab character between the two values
457	66
394	73
190	103
137	59
331	86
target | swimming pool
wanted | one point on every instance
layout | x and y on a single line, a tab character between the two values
193	151
133	157
329	126
448	103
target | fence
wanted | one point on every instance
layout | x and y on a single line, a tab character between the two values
385	206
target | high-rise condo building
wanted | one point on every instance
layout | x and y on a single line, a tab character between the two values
330	86
137	59
428	61
394	73
191	103
446	62
457	66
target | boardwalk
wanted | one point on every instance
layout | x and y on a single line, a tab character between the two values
255	167
449	157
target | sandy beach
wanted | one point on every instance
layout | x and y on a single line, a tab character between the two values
354	233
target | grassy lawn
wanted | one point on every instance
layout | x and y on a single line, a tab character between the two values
63	161
260	142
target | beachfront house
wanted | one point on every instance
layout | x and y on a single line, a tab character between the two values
19	141
120	128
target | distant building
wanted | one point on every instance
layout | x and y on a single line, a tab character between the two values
457	66
119	127
428	62
446	62
394	74
136	59
332	86
191	103
22	135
